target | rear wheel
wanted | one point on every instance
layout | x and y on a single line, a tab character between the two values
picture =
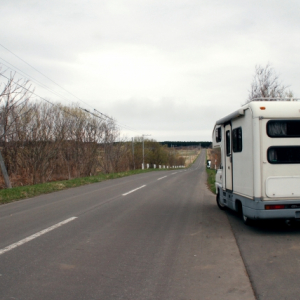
221	205
247	221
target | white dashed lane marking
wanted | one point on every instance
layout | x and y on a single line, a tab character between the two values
133	190
34	236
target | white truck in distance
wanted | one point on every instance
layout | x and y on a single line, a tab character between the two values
259	176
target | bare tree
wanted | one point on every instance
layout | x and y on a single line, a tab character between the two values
43	141
13	103
113	149
82	134
14	97
41	144
266	86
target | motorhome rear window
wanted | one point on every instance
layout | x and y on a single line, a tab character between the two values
283	128
237	143
284	155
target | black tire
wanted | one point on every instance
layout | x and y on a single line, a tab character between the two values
220	205
247	220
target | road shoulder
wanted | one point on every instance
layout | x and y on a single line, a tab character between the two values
223	273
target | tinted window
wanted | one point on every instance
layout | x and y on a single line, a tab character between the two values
288	128
284	155
237	144
228	152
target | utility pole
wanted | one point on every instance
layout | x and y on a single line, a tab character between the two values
133	153
143	167
2	164
4	172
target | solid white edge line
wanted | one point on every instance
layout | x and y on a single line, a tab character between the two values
30	238
133	190
161	177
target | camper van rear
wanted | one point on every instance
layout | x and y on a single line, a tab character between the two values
259	174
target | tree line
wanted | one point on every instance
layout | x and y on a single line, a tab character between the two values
186	144
41	141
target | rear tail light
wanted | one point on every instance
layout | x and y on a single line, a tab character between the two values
276	206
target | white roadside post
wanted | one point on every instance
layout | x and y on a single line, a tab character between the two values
144	150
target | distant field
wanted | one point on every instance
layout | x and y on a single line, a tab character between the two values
189	154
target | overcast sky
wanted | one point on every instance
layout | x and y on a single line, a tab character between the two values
169	68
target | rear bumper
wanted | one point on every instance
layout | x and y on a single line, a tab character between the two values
256	210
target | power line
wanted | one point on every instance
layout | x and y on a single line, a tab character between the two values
51	103
47	88
128	128
103	116
91	113
44	86
40	72
33	93
45	76
32	78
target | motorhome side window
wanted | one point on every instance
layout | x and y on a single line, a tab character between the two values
228	152
218	135
283	128
284	155
237	144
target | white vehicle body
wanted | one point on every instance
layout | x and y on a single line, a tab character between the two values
260	160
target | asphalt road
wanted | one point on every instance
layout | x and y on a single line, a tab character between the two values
156	235
271	253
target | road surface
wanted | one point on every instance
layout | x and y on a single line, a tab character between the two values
156	235
271	253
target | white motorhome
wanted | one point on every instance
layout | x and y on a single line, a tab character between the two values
259	174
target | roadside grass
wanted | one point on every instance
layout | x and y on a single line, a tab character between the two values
22	192
211	174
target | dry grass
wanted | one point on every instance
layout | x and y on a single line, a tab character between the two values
189	155
214	155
